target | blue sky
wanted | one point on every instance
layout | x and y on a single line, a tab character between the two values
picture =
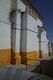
45	8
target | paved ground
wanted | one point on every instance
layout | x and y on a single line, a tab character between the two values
28	67
44	67
19	66
11	72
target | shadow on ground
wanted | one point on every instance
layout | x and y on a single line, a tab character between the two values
45	67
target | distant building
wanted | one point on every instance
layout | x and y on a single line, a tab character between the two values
22	36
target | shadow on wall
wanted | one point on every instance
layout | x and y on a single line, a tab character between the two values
23	57
13	57
45	67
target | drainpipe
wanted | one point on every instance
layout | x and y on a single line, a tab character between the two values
12	18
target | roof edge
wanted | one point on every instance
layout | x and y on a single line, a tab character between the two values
35	9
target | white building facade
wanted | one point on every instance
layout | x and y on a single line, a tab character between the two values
19	41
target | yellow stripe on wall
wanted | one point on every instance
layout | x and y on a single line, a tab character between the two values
18	58
5	57
22	57
29	57
32	57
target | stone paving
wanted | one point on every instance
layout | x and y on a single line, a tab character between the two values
13	73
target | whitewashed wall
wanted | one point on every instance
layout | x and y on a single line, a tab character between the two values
23	36
5	29
18	21
44	42
5	36
17	41
18	31
21	6
39	22
29	35
18	5
31	23
16	34
4	10
32	40
32	32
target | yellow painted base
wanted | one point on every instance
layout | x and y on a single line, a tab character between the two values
18	58
22	57
15	57
5	57
29	57
32	57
